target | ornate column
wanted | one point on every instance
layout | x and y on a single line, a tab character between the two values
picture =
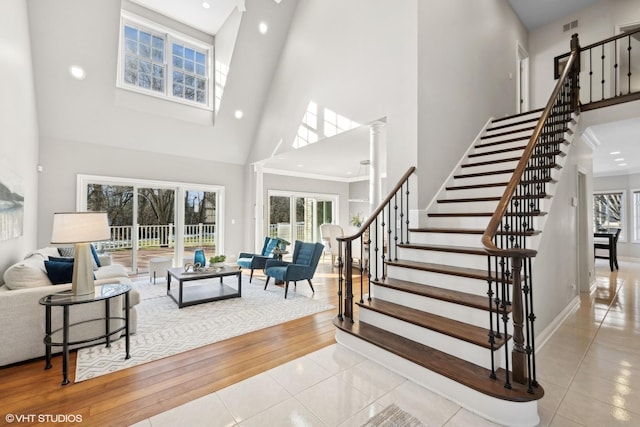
375	134
258	208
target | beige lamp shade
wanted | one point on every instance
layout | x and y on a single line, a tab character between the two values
79	227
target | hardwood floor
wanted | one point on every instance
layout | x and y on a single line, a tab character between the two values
133	394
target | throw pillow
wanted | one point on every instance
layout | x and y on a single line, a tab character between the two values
67	252
59	272
60	259
96	258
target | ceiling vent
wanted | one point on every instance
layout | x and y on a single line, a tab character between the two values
569	26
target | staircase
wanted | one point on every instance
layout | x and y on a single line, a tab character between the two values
431	306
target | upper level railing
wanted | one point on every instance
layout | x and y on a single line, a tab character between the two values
505	238
609	72
378	239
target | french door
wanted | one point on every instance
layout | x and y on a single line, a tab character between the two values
154	219
298	216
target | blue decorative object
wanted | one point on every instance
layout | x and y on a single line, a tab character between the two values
199	258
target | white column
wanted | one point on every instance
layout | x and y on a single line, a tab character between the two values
375	135
258	211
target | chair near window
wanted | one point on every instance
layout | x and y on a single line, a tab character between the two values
258	261
610	245
302	267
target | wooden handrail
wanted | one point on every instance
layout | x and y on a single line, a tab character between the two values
380	207
503	204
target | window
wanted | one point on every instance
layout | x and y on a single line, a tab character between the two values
608	211
160	62
636	215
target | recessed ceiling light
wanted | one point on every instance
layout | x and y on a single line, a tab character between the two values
206	5
77	72
349	173
238	114
622	164
613	153
300	165
263	27
619	159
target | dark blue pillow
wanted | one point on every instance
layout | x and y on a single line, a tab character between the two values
59	272
95	256
61	259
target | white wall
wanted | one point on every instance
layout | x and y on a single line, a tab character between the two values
18	123
64	160
467	66
357	58
596	22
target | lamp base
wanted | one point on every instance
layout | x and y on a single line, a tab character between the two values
82	282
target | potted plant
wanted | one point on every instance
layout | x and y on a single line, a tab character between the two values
356	220
217	261
282	244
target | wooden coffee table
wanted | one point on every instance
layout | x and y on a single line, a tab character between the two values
208	290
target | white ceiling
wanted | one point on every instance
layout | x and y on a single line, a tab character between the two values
621	136
536	13
191	12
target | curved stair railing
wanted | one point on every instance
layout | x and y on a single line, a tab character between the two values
377	239
509	260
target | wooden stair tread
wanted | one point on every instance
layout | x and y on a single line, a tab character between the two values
506	171
492	199
510	132
559	140
442	294
451	270
477	231
466	373
490	162
472	214
443	325
444	248
476	186
515	116
525	121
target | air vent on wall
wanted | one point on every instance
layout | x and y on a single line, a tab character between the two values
569	26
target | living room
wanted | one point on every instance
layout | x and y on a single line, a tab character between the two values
338	55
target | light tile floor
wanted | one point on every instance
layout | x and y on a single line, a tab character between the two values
590	370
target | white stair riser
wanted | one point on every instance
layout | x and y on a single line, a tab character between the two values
485	179
474	192
446	281
496	138
461	207
458	222
502	412
488	168
495	156
470	352
457	312
455	239
499	127
447	258
482	148
534	115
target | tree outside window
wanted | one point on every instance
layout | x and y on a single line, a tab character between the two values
608	211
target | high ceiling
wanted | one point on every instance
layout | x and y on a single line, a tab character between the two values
536	13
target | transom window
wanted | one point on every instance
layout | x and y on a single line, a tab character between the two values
161	62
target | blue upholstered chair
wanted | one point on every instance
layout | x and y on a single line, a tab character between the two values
258	261
302	267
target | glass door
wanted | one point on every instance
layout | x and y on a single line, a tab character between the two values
200	223
308	213
155	225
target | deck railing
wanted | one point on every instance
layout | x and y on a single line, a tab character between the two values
159	236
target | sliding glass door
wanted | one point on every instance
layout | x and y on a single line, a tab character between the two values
154	219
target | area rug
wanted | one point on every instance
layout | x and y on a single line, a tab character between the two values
393	416
165	330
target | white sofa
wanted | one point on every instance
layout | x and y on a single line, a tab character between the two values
22	318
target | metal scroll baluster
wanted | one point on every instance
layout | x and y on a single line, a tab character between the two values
629	73
492	334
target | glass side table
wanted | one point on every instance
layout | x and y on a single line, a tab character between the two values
66	299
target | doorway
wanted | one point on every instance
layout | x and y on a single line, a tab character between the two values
522	77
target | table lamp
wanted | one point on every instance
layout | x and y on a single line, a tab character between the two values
81	228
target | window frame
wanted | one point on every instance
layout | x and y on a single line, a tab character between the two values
170	36
623	211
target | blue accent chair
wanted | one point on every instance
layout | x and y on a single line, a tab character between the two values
302	267
258	261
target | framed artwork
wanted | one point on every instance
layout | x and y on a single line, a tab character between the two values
11	205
